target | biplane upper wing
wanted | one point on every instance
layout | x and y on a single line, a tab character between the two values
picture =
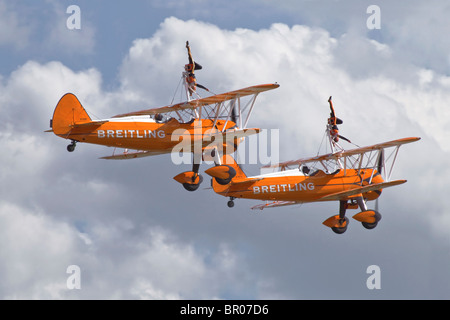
218	98
393	143
347	153
284	164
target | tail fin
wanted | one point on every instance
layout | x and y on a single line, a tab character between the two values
229	165
68	111
229	160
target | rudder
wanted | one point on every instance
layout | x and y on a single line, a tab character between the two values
221	186
229	160
68	111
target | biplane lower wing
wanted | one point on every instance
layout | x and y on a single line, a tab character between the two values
274	204
336	196
230	135
134	155
344	195
217	137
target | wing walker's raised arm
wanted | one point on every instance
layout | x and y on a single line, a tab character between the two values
333	130
189	75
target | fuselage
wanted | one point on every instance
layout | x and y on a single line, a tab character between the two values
293	185
144	133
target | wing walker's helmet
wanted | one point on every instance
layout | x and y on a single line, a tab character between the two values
158	117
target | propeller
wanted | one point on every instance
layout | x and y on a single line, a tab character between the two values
233	114
380	161
380	166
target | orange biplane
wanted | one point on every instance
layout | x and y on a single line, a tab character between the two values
351	177
213	123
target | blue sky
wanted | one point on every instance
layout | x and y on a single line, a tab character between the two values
136	234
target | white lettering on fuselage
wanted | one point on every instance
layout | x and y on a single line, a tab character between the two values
130	134
274	188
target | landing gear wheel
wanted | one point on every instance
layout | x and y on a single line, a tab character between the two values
341	230
372	225
230	203
71	147
191	187
223	182
369	225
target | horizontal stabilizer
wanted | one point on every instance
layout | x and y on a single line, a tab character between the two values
88	124
250	180
345	194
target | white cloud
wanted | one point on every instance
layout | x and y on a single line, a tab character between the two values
309	64
38	249
35	253
34	89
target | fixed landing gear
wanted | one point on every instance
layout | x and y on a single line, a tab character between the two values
343	226
230	203
191	180
368	218
368	225
71	146
340	222
197	178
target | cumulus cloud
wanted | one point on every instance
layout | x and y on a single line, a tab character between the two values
134	237
38	250
309	64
